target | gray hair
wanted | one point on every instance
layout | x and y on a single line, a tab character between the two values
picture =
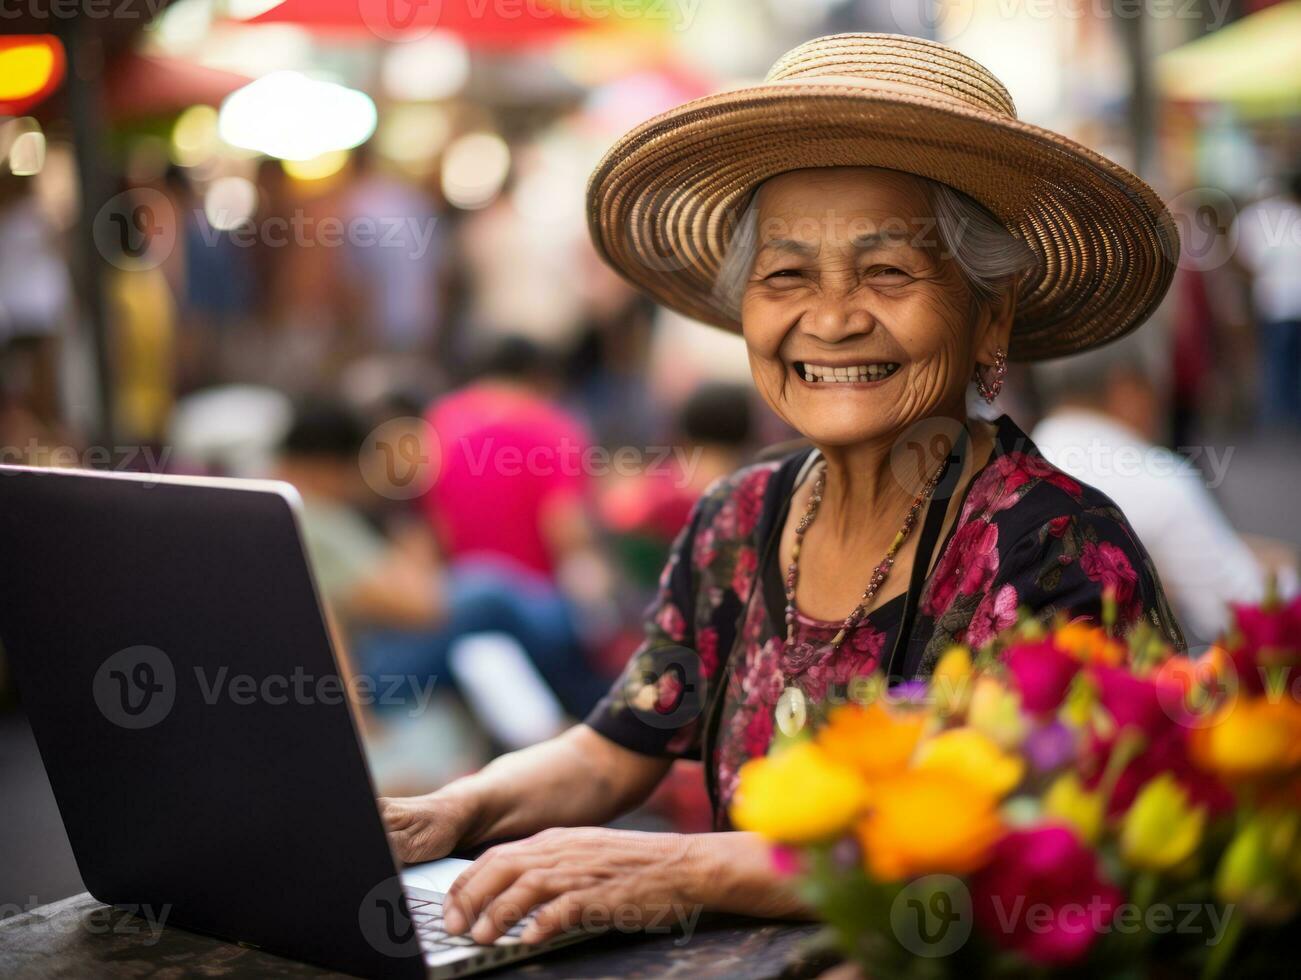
984	250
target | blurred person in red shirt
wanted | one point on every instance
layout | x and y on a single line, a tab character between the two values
512	491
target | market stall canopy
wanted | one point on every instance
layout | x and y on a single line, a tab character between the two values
1253	63
139	86
481	22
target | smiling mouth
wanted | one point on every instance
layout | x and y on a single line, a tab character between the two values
845	374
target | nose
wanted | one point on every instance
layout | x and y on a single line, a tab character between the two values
838	315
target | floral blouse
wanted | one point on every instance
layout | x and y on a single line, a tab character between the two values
1027	535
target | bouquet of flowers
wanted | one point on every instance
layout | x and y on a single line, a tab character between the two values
1062	801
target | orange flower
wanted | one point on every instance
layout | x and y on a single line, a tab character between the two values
1090	643
928	822
875	740
1249	738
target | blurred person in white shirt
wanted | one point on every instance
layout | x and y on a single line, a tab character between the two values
1268	235
1102	420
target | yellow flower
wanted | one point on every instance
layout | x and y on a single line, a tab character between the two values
876	740
951	681
996	711
1161	829
1250	737
965	753
797	796
1069	801
927	822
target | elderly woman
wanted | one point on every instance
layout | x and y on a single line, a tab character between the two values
885	234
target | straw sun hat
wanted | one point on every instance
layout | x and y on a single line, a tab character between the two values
663	202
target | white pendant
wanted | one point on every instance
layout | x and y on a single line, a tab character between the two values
792	711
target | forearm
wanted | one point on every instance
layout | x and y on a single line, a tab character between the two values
734	872
575	779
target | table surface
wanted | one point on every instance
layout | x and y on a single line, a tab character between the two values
78	937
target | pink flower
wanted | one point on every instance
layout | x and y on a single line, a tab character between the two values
1042	673
669	689
1006	478
747	562
1109	566
707	650
671	622
968	565
1136	702
749	499
996	612
1042	896
703	551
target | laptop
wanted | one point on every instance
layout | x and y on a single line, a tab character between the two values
169	648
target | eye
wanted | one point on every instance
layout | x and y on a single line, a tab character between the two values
784	274
891	273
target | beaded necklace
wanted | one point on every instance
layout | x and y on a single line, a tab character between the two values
879	573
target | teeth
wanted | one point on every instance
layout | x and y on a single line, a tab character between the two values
854	372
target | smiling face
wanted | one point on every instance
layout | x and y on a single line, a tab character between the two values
855	323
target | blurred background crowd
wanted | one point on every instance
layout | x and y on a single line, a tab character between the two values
343	243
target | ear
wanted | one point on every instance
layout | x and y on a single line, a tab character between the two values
994	323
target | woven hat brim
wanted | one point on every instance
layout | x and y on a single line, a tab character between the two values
662	203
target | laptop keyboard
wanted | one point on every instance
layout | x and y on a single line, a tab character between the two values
427	917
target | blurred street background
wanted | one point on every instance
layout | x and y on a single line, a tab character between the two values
343	243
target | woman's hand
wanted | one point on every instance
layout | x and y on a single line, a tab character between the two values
424	828
586	877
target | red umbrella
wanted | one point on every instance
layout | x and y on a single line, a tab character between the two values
495	23
142	85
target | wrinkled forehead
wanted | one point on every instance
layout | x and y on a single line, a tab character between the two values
806	210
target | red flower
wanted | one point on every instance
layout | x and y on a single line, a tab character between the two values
1265	638
1041	895
747	563
1154	707
1109	566
968	565
758	732
1058	525
1042	673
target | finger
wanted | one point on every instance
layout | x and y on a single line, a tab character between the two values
562	914
494	871
530	889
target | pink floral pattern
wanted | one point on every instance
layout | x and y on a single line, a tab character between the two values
1027	535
